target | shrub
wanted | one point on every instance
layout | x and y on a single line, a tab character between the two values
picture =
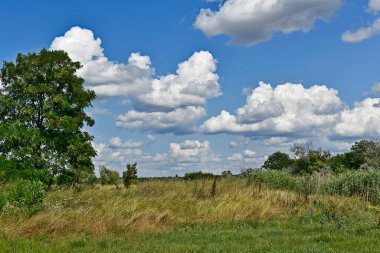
24	195
277	180
365	184
247	173
227	173
198	175
130	175
3	200
108	176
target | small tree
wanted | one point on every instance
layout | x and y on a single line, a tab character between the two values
372	158
130	175
108	176
278	161
360	152
226	173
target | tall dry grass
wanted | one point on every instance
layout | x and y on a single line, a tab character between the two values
156	205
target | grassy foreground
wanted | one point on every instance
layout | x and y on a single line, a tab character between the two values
183	216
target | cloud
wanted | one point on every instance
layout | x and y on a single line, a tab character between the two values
253	21
106	78
191	151
276	141
362	33
287	109
194	82
115	157
361	121
178	121
157	101
374	6
151	137
100	111
116	143
181	157
376	89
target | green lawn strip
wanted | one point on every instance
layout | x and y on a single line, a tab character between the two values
224	237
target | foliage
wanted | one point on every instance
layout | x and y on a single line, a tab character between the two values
108	176
372	157
23	194
42	115
364	184
277	180
248	172
227	173
278	161
357	156
130	175
308	160
340	163
198	175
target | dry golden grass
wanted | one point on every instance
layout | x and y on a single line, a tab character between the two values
156	205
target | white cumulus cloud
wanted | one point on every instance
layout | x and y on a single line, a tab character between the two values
191	150
105	77
179	120
376	89
160	103
286	109
374	6
361	121
362	33
252	21
117	143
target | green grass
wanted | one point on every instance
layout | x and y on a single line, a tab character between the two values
182	216
217	237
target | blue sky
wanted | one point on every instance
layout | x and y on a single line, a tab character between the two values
256	76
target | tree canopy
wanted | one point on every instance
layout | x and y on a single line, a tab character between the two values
42	116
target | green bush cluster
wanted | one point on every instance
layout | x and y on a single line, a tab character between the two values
198	175
28	195
361	183
308	160
276	179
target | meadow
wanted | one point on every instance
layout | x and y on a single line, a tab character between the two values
231	215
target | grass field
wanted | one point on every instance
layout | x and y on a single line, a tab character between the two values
183	216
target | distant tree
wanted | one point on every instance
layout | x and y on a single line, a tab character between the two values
108	176
357	156
339	163
307	159
130	175
198	175
226	173
248	172
301	150
372	157
278	161
42	115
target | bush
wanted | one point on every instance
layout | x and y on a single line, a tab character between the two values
277	180
25	195
3	200
365	184
130	175
198	175
108	176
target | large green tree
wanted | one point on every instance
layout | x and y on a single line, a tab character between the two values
278	161
42	116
